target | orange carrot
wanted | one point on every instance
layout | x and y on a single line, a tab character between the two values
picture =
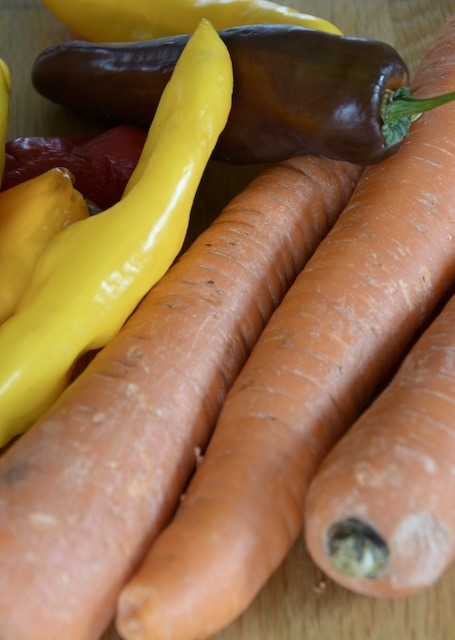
340	329
88	487
379	514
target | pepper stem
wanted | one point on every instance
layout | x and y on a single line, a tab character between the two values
400	109
356	550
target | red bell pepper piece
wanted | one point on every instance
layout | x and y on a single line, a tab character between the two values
100	165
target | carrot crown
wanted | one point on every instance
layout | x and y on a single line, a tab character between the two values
400	109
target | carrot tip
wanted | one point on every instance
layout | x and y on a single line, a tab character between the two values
356	550
130	628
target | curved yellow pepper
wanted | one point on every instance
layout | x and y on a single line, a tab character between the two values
130	20
5	90
31	213
93	274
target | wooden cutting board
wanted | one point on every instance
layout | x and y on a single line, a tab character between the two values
298	603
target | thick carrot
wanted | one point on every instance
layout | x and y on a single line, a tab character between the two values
86	489
379	514
342	326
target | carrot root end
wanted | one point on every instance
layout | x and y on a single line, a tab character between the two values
356	550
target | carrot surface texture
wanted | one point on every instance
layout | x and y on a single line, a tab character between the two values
88	487
341	328
379	512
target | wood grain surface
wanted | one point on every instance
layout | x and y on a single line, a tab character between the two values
298	603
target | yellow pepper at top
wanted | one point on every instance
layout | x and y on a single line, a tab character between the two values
131	20
91	276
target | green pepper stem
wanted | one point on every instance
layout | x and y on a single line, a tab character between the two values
400	109
410	107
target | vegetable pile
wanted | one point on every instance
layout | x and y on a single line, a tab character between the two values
291	371
344	324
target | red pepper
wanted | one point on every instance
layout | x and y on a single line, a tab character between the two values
100	165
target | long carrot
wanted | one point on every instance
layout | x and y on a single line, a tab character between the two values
379	514
87	488
342	326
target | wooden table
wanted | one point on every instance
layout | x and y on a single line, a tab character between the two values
298	603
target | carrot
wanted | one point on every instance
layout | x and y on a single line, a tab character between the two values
344	323
379	517
89	486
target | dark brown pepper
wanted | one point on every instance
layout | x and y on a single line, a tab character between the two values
296	90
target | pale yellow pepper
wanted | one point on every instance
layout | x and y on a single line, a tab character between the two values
31	213
130	20
5	90
93	274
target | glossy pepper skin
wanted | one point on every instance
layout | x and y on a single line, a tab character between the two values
100	165
296	90
31	215
91	277
131	20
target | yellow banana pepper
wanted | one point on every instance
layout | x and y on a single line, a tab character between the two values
92	275
31	214
130	20
5	89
